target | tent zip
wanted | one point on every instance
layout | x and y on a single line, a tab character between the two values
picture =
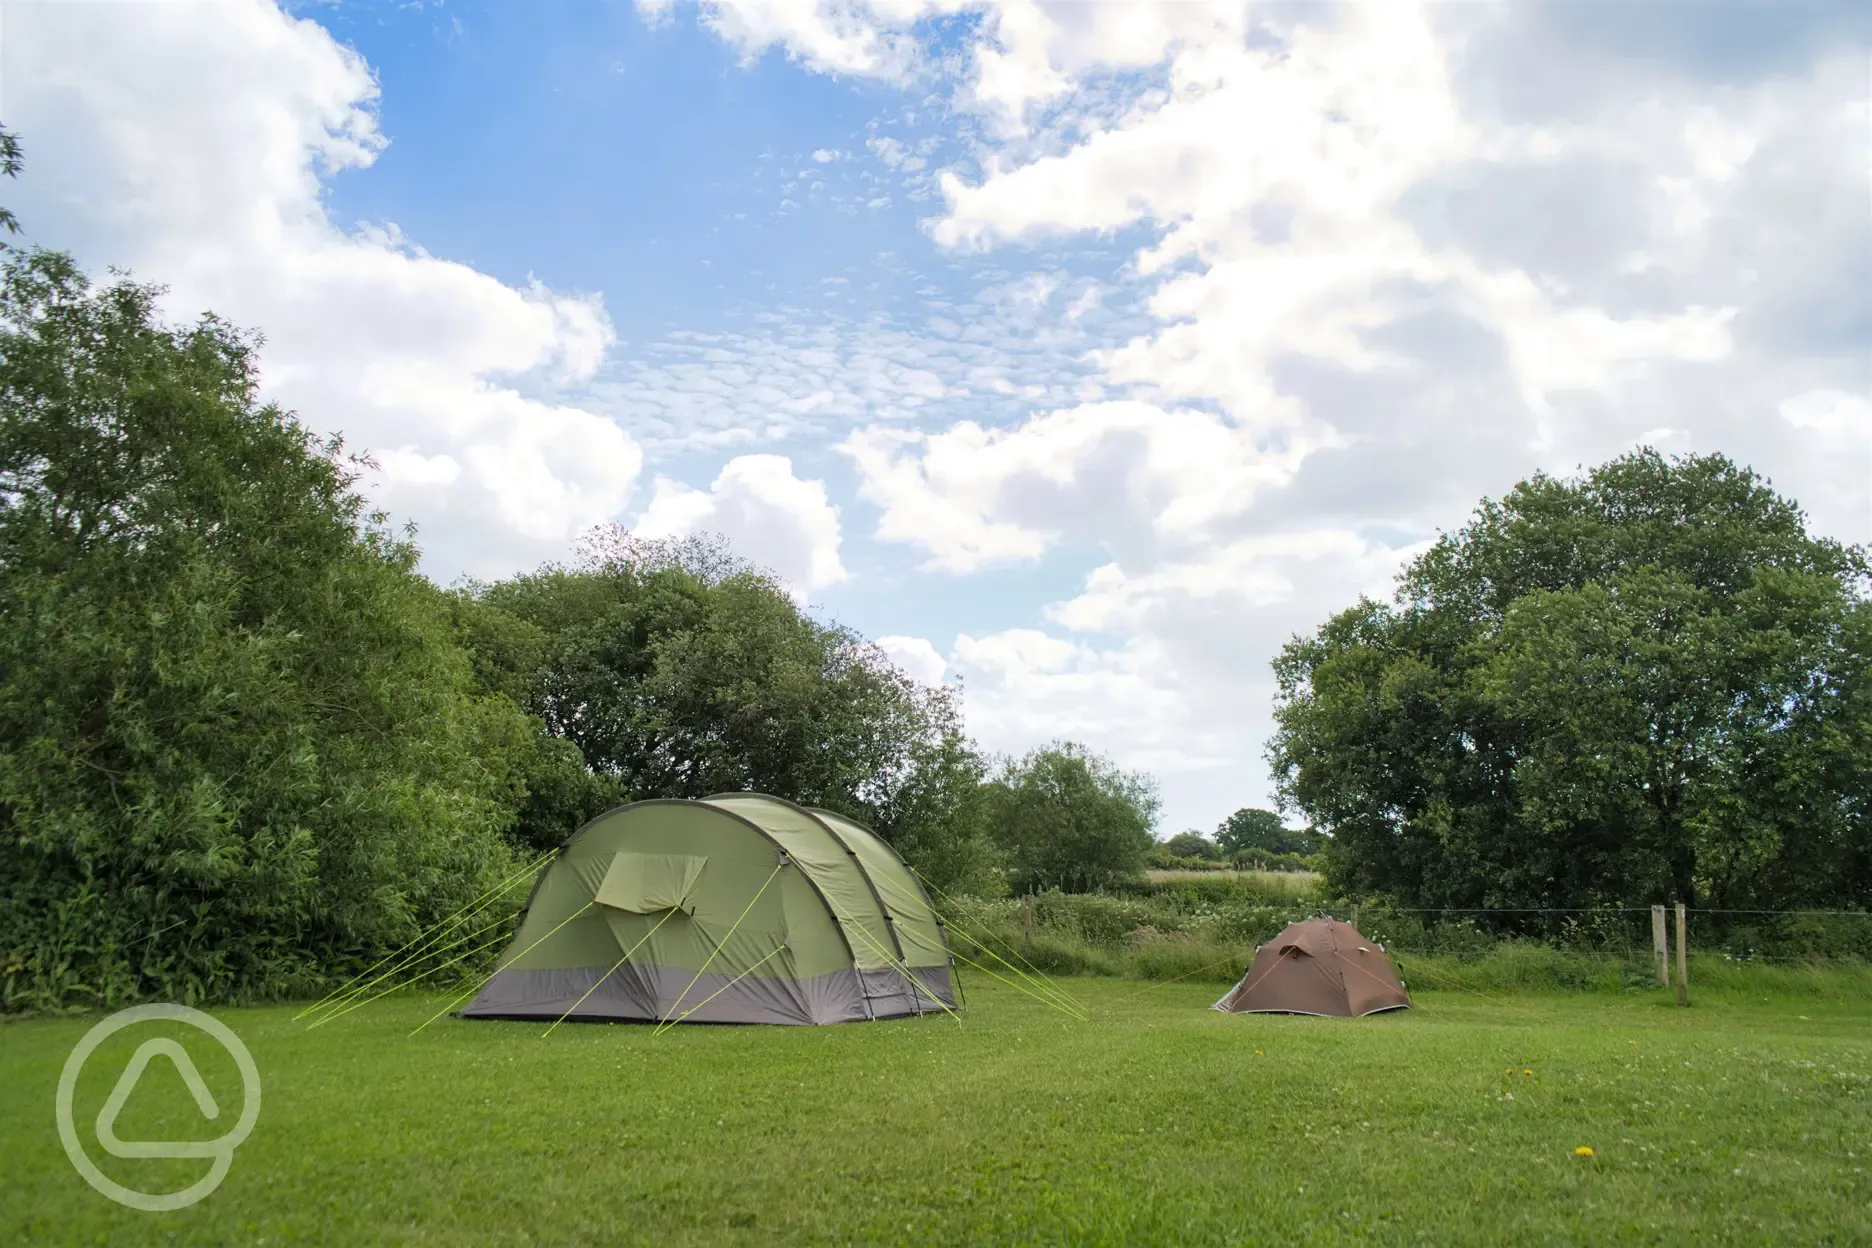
614	966
725	939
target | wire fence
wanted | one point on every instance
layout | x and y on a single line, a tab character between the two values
1638	938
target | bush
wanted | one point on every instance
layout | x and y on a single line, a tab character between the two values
238	746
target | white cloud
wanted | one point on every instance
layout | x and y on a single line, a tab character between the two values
868	40
1167	668
1829	412
1128	473
890	151
1393	257
1406	254
1366	110
769	516
406	466
916	656
192	143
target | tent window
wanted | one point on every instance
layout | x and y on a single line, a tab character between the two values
649	883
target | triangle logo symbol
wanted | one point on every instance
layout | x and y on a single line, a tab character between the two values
126	1084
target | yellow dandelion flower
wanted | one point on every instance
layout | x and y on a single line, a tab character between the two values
1583	1151
1527	1072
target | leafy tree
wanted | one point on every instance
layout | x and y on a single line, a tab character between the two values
1254	831
238	748
559	792
10	167
1646	683
1192	844
678	670
1070	819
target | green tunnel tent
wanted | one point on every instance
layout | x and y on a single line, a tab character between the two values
790	914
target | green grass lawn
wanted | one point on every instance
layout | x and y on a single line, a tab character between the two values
1741	1120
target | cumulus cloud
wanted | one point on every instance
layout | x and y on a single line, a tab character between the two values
1267	294
916	656
1397	255
768	515
192	144
1129	474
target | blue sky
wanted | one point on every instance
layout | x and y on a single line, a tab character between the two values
1087	352
590	148
575	143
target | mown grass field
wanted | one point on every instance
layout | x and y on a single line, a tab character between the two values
1745	1119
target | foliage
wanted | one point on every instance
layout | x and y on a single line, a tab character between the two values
1192	845
9	167
1071	819
1648	683
1162	858
237	745
677	670
1254	832
559	791
1228	886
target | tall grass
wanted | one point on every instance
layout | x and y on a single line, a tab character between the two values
1289	884
1205	930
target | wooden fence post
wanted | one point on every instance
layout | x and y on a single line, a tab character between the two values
1660	945
1683	962
1355	926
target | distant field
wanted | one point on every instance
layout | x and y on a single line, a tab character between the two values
1293	883
1745	1119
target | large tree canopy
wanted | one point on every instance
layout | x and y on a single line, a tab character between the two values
677	670
237	743
1644	684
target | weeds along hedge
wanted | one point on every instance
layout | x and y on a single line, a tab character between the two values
1528	966
1165	936
1792	937
1224	889
1206	931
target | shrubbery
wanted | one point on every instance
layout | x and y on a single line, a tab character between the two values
238	747
1212	926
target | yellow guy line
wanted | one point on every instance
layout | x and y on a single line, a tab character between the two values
498	969
1036	979
483	947
351	1001
718	948
428	934
891	962
607	975
1185	975
422	938
1033	972
724	988
1023	988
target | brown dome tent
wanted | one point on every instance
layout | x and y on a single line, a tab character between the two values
1319	966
